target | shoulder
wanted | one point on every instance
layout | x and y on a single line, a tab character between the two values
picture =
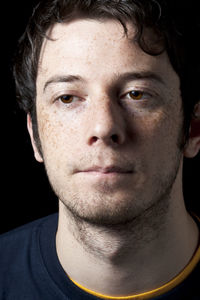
22	269
15	244
26	229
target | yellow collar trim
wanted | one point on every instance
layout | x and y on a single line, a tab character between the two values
156	292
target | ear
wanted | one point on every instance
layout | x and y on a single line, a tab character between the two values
193	145
30	130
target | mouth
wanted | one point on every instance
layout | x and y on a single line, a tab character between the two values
108	170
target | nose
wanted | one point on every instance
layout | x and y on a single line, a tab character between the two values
106	124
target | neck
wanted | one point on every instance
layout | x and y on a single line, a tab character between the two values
128	258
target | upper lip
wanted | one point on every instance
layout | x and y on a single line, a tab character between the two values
109	169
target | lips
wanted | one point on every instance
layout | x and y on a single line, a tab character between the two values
109	169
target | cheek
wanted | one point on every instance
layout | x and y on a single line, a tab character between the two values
150	125
159	132
57	134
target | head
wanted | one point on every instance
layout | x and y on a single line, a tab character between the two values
111	41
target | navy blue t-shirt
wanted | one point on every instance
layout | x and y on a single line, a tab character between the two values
30	269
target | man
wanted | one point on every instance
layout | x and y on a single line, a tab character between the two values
110	91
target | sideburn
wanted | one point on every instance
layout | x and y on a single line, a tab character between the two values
35	132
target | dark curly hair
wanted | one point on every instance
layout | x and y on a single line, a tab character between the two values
174	22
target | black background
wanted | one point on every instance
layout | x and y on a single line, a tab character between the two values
25	192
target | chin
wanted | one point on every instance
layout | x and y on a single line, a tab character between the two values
106	212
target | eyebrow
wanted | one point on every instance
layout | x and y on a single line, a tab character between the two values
124	77
149	75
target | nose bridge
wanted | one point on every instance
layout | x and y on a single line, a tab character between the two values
106	120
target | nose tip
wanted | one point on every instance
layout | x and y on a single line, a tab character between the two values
108	126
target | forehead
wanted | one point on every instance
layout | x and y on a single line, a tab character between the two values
84	36
94	49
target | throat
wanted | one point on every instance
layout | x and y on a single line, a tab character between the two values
114	244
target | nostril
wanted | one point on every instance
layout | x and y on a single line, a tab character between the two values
94	139
115	138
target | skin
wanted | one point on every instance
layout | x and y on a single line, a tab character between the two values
128	230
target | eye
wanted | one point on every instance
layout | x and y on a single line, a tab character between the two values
135	95
66	99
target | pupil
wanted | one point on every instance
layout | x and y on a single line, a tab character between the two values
67	98
135	93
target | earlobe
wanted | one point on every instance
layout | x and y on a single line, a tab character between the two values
193	145
30	130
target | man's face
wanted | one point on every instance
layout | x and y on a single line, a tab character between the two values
110	121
